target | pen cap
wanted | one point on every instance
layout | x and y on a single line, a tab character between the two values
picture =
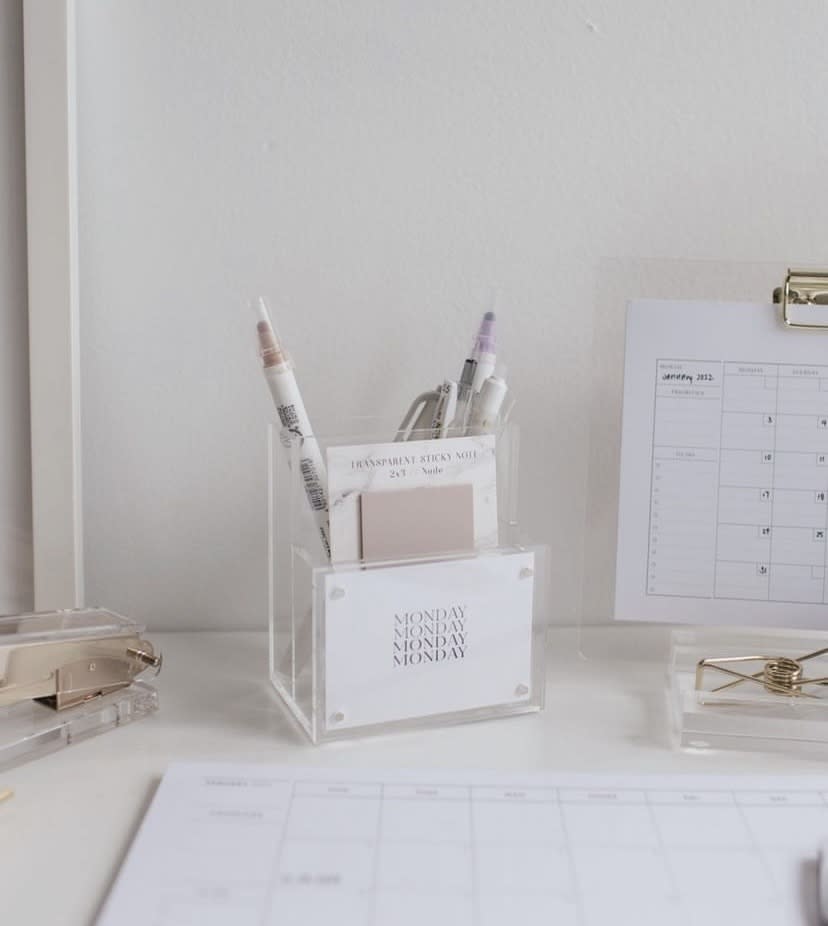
270	349
484	341
492	394
489	402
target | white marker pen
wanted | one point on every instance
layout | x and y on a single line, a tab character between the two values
446	409
278	371
486	406
484	351
464	396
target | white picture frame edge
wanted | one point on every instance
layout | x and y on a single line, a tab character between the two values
49	43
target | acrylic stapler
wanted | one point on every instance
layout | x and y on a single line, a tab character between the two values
65	658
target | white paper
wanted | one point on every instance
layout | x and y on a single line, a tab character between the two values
422	639
407	465
238	845
723	504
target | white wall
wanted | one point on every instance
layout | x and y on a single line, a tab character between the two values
377	167
15	459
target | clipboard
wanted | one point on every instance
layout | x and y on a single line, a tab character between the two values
729	687
617	282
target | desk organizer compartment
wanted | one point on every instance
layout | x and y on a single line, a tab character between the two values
417	640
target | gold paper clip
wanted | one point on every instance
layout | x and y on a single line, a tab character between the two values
803	287
779	675
65	658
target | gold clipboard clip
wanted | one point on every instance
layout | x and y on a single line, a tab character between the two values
803	287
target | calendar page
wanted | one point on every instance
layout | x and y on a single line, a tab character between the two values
247	845
723	505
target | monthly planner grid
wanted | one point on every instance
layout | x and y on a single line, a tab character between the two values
262	849
739	473
486	855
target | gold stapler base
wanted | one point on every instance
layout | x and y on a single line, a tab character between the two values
65	658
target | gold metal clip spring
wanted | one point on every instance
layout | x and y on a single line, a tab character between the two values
780	675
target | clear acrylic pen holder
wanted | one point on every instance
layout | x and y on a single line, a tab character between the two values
425	638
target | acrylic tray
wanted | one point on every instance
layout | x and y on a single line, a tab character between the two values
746	716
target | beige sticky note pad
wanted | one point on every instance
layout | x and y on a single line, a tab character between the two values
355	470
417	522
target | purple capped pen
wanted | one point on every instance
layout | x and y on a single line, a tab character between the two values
484	351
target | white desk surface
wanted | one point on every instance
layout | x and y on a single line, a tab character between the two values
65	832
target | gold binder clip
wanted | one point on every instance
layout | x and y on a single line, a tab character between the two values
803	287
65	658
781	675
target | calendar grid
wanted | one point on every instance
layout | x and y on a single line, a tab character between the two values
374	914
477	913
748	520
398	849
756	846
825	555
280	845
580	913
772	477
719	482
664	855
647	845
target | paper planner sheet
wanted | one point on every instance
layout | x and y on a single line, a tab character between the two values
723	504
244	845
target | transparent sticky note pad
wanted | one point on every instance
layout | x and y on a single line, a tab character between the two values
386	635
749	689
33	727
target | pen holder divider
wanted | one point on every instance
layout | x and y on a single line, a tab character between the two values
435	636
